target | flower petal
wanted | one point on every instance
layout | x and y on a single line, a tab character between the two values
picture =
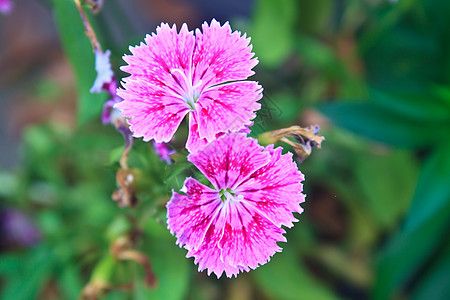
208	256
189	216
194	142
275	189
153	93
229	160
249	239
153	114
227	108
165	52
221	55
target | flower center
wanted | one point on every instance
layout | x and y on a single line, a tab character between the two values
191	92
227	195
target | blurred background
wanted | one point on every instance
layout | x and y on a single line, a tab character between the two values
374	74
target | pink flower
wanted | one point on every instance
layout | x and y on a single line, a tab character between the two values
6	6
235	226
164	151
178	73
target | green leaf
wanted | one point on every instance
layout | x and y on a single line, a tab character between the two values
34	271
417	106
173	174
169	263
273	30
10	264
314	52
387	181
433	189
70	282
407	253
382	125
435	284
115	155
425	227
405	46
285	278
79	52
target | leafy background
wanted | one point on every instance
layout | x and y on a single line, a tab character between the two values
374	74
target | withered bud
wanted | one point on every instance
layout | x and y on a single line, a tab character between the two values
95	290
125	195
94	5
305	139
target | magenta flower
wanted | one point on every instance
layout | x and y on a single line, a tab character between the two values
164	151
175	74
236	225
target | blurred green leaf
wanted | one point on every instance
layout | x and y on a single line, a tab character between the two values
70	282
314	52
272	30
387	182
174	178
433	189
169	263
119	226
79	52
436	282
285	278
116	154
386	21
426	225
382	125
10	264
417	106
34	269
405	44
314	16
406	254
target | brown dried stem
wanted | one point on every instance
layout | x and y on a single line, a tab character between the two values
89	31
120	249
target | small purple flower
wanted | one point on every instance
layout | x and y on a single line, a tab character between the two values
175	74
6	6
235	226
109	113
17	228
164	151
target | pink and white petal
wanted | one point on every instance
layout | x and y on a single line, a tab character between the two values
152	113
249	239
227	108
194	143
164	59
189	216
221	55
230	159
275	189
208	256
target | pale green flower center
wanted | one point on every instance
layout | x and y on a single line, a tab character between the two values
191	92
228	195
